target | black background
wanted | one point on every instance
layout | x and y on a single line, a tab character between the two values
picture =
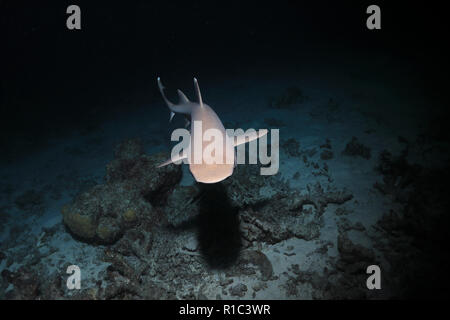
53	79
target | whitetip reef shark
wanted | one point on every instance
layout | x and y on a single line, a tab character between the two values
207	171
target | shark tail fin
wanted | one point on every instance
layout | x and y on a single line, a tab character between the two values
197	91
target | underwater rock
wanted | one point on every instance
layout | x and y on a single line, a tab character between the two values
53	287
133	187
153	291
291	147
130	210
137	241
328	284
182	205
129	149
341	211
326	145
260	227
127	277
352	253
238	290
312	277
120	288
250	258
119	264
344	278
345	224
26	284
104	212
260	260
248	187
350	278
318	282
297	215
414	234
142	174
225	282
355	149
326	155
398	175
138	272
320	198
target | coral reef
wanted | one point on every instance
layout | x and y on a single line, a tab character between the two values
326	155
134	186
291	147
247	187
413	235
148	226
238	290
182	205
164	240
297	215
354	149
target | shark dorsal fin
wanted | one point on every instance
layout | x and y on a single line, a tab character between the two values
182	97
197	91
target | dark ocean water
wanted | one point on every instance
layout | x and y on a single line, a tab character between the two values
363	153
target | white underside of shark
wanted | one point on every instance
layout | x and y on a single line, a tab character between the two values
205	172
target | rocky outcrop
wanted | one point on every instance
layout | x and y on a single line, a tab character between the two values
247	187
133	188
182	205
147	219
290	215
413	235
356	149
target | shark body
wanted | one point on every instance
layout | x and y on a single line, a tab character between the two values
199	112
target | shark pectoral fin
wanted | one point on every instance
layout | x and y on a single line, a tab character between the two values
173	160
182	97
244	138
